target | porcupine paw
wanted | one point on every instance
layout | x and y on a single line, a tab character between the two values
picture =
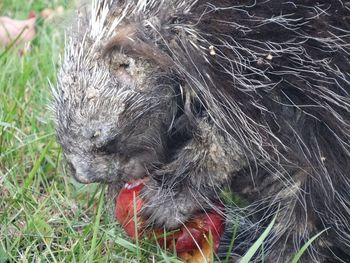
166	208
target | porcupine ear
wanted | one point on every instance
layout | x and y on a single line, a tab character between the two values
121	39
128	40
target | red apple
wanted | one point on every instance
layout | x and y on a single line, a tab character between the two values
191	242
128	202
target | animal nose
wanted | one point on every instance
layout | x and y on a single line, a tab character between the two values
82	176
81	170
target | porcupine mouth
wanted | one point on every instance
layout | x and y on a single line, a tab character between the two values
114	187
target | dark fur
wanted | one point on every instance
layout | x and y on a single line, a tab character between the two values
243	95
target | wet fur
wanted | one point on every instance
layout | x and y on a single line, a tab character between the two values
250	96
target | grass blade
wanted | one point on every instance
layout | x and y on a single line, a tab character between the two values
257	244
305	246
97	225
29	180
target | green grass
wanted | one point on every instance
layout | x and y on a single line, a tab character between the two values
45	216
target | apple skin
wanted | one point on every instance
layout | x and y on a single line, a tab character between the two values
127	203
191	241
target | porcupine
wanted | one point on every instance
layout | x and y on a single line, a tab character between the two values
249	96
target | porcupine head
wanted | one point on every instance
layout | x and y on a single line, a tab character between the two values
117	102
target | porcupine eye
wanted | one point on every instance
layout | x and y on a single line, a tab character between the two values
110	147
102	137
